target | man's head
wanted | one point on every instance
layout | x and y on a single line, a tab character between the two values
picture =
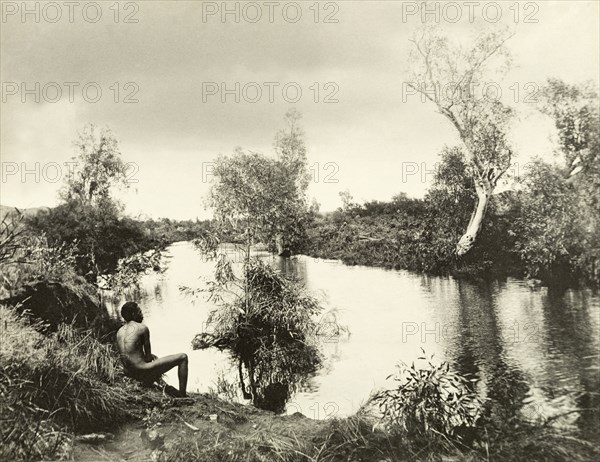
132	312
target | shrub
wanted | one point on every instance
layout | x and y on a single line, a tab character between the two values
102	235
429	401
36	260
267	324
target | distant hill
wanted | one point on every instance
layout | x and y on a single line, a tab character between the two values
6	209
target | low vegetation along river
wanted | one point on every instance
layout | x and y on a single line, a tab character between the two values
534	351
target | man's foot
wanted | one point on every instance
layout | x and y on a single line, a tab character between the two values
171	391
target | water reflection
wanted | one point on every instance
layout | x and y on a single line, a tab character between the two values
481	348
534	351
571	324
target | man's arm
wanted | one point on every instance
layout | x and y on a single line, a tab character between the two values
147	348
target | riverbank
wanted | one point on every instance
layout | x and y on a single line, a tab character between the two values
64	398
413	235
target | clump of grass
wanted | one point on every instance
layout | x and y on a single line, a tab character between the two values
77	348
50	385
223	388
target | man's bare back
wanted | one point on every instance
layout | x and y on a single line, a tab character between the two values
133	342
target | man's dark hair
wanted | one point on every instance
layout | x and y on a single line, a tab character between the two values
129	310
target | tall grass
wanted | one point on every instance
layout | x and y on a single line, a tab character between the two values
52	384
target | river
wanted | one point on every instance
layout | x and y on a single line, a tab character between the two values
534	350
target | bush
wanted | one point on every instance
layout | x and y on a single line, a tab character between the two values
36	260
268	327
101	234
429	401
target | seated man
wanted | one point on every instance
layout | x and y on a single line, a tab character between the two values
133	341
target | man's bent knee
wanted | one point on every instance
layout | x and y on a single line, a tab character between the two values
183	358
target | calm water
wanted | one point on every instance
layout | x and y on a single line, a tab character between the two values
535	351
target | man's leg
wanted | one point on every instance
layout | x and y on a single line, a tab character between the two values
182	374
162	365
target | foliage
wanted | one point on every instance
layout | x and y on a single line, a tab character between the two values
548	229
129	270
290	149
43	280
11	234
36	260
166	231
429	401
347	200
545	229
265	320
558	229
102	235
89	216
249	192
419	234
256	198
574	109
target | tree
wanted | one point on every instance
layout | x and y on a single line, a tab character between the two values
102	236
251	194
265	319
267	323
89	216
559	228
263	197
547	231
290	149
347	200
446	75
574	110
98	167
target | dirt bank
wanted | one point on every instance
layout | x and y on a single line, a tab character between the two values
199	428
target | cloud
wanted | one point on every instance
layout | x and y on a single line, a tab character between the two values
162	61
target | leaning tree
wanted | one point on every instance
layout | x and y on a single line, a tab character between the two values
452	77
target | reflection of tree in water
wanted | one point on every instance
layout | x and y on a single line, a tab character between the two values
114	299
291	267
567	316
330	332
481	352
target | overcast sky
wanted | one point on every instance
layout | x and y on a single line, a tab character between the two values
362	142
